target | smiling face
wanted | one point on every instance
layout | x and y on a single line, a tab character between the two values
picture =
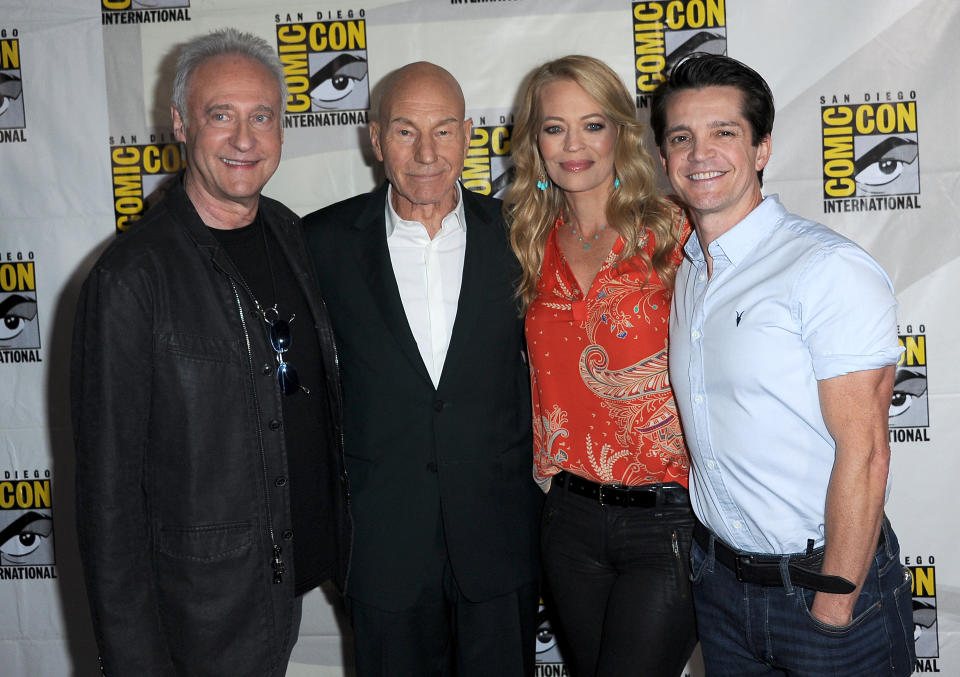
709	156
421	137
576	140
233	133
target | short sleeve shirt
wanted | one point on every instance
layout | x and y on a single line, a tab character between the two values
790	302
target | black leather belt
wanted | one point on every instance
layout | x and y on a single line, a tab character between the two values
620	496
765	569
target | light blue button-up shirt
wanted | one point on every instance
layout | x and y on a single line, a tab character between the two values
789	302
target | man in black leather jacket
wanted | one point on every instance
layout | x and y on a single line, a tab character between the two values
206	404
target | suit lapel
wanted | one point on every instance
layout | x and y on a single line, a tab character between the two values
479	245
377	270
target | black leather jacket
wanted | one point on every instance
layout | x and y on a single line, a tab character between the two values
182	491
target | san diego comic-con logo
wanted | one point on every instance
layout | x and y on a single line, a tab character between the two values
870	152
924	593
26	525
549	662
666	31
19	325
487	169
325	64
138	171
909	415
143	11
12	115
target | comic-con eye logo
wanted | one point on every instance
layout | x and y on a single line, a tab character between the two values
26	524
870	151
143	11
666	32
325	65
19	326
924	593
549	660
909	414
12	115
138	170
487	169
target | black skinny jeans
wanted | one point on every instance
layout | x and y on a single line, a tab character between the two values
619	579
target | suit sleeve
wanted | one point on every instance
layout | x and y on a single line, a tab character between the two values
111	370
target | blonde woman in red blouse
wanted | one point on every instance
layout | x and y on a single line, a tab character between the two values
599	248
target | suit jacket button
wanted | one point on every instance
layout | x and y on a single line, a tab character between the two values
438	406
431	466
274	424
287	535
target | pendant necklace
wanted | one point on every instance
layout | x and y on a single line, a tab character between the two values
589	242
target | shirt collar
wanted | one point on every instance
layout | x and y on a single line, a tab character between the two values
452	222
740	240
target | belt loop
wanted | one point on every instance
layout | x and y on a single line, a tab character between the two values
711	554
785	575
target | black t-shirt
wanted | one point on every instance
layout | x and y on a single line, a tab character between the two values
306	416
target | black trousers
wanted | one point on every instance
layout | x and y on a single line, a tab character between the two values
447	635
619	578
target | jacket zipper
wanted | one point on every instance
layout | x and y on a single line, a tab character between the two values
276	560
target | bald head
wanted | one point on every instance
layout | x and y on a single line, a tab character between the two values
419	133
414	77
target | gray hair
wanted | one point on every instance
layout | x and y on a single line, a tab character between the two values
219	43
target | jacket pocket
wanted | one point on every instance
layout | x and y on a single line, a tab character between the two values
206	543
198	347
215	605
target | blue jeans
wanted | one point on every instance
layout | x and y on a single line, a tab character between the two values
619	578
748	630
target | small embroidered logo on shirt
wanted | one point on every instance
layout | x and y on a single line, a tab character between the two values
739	316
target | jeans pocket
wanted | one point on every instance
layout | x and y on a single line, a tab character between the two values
903	600
551	508
698	562
680	538
867	606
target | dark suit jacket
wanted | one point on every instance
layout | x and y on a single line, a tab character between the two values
434	472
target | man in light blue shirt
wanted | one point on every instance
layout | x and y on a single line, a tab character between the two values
783	342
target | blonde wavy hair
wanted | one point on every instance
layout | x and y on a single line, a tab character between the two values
634	206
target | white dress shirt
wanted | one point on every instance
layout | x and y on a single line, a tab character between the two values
429	273
789	302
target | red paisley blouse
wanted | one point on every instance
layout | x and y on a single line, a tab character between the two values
602	404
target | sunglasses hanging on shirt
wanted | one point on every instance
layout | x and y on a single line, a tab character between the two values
281	338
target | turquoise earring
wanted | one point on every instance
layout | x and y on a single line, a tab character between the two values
616	182
542	182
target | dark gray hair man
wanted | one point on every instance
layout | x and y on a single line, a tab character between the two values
211	492
783	341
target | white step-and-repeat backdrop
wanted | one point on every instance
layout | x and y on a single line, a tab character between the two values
866	140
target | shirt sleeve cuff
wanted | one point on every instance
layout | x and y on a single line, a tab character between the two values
837	365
